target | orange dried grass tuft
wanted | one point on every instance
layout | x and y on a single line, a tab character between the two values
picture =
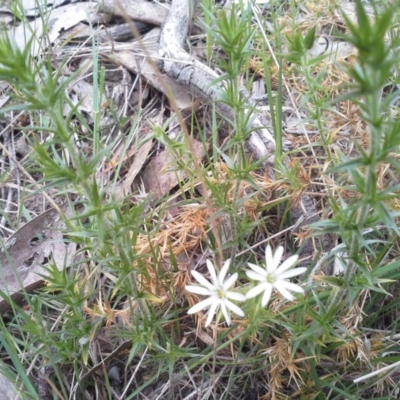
282	362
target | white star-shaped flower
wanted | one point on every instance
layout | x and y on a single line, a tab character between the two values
218	292
274	277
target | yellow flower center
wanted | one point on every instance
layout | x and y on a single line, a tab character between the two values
271	278
221	293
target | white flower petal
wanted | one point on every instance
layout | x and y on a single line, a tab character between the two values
291	273
213	274
280	287
289	263
266	296
198	290
234	308
203	281
224	270
202	305
211	312
269	258
258	270
255	277
225	312
230	281
276	259
255	291
218	292
236	296
291	286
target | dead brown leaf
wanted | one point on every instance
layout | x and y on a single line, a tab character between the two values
138	65
62	19
159	177
136	166
23	255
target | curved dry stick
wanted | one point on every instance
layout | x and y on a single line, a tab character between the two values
200	79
